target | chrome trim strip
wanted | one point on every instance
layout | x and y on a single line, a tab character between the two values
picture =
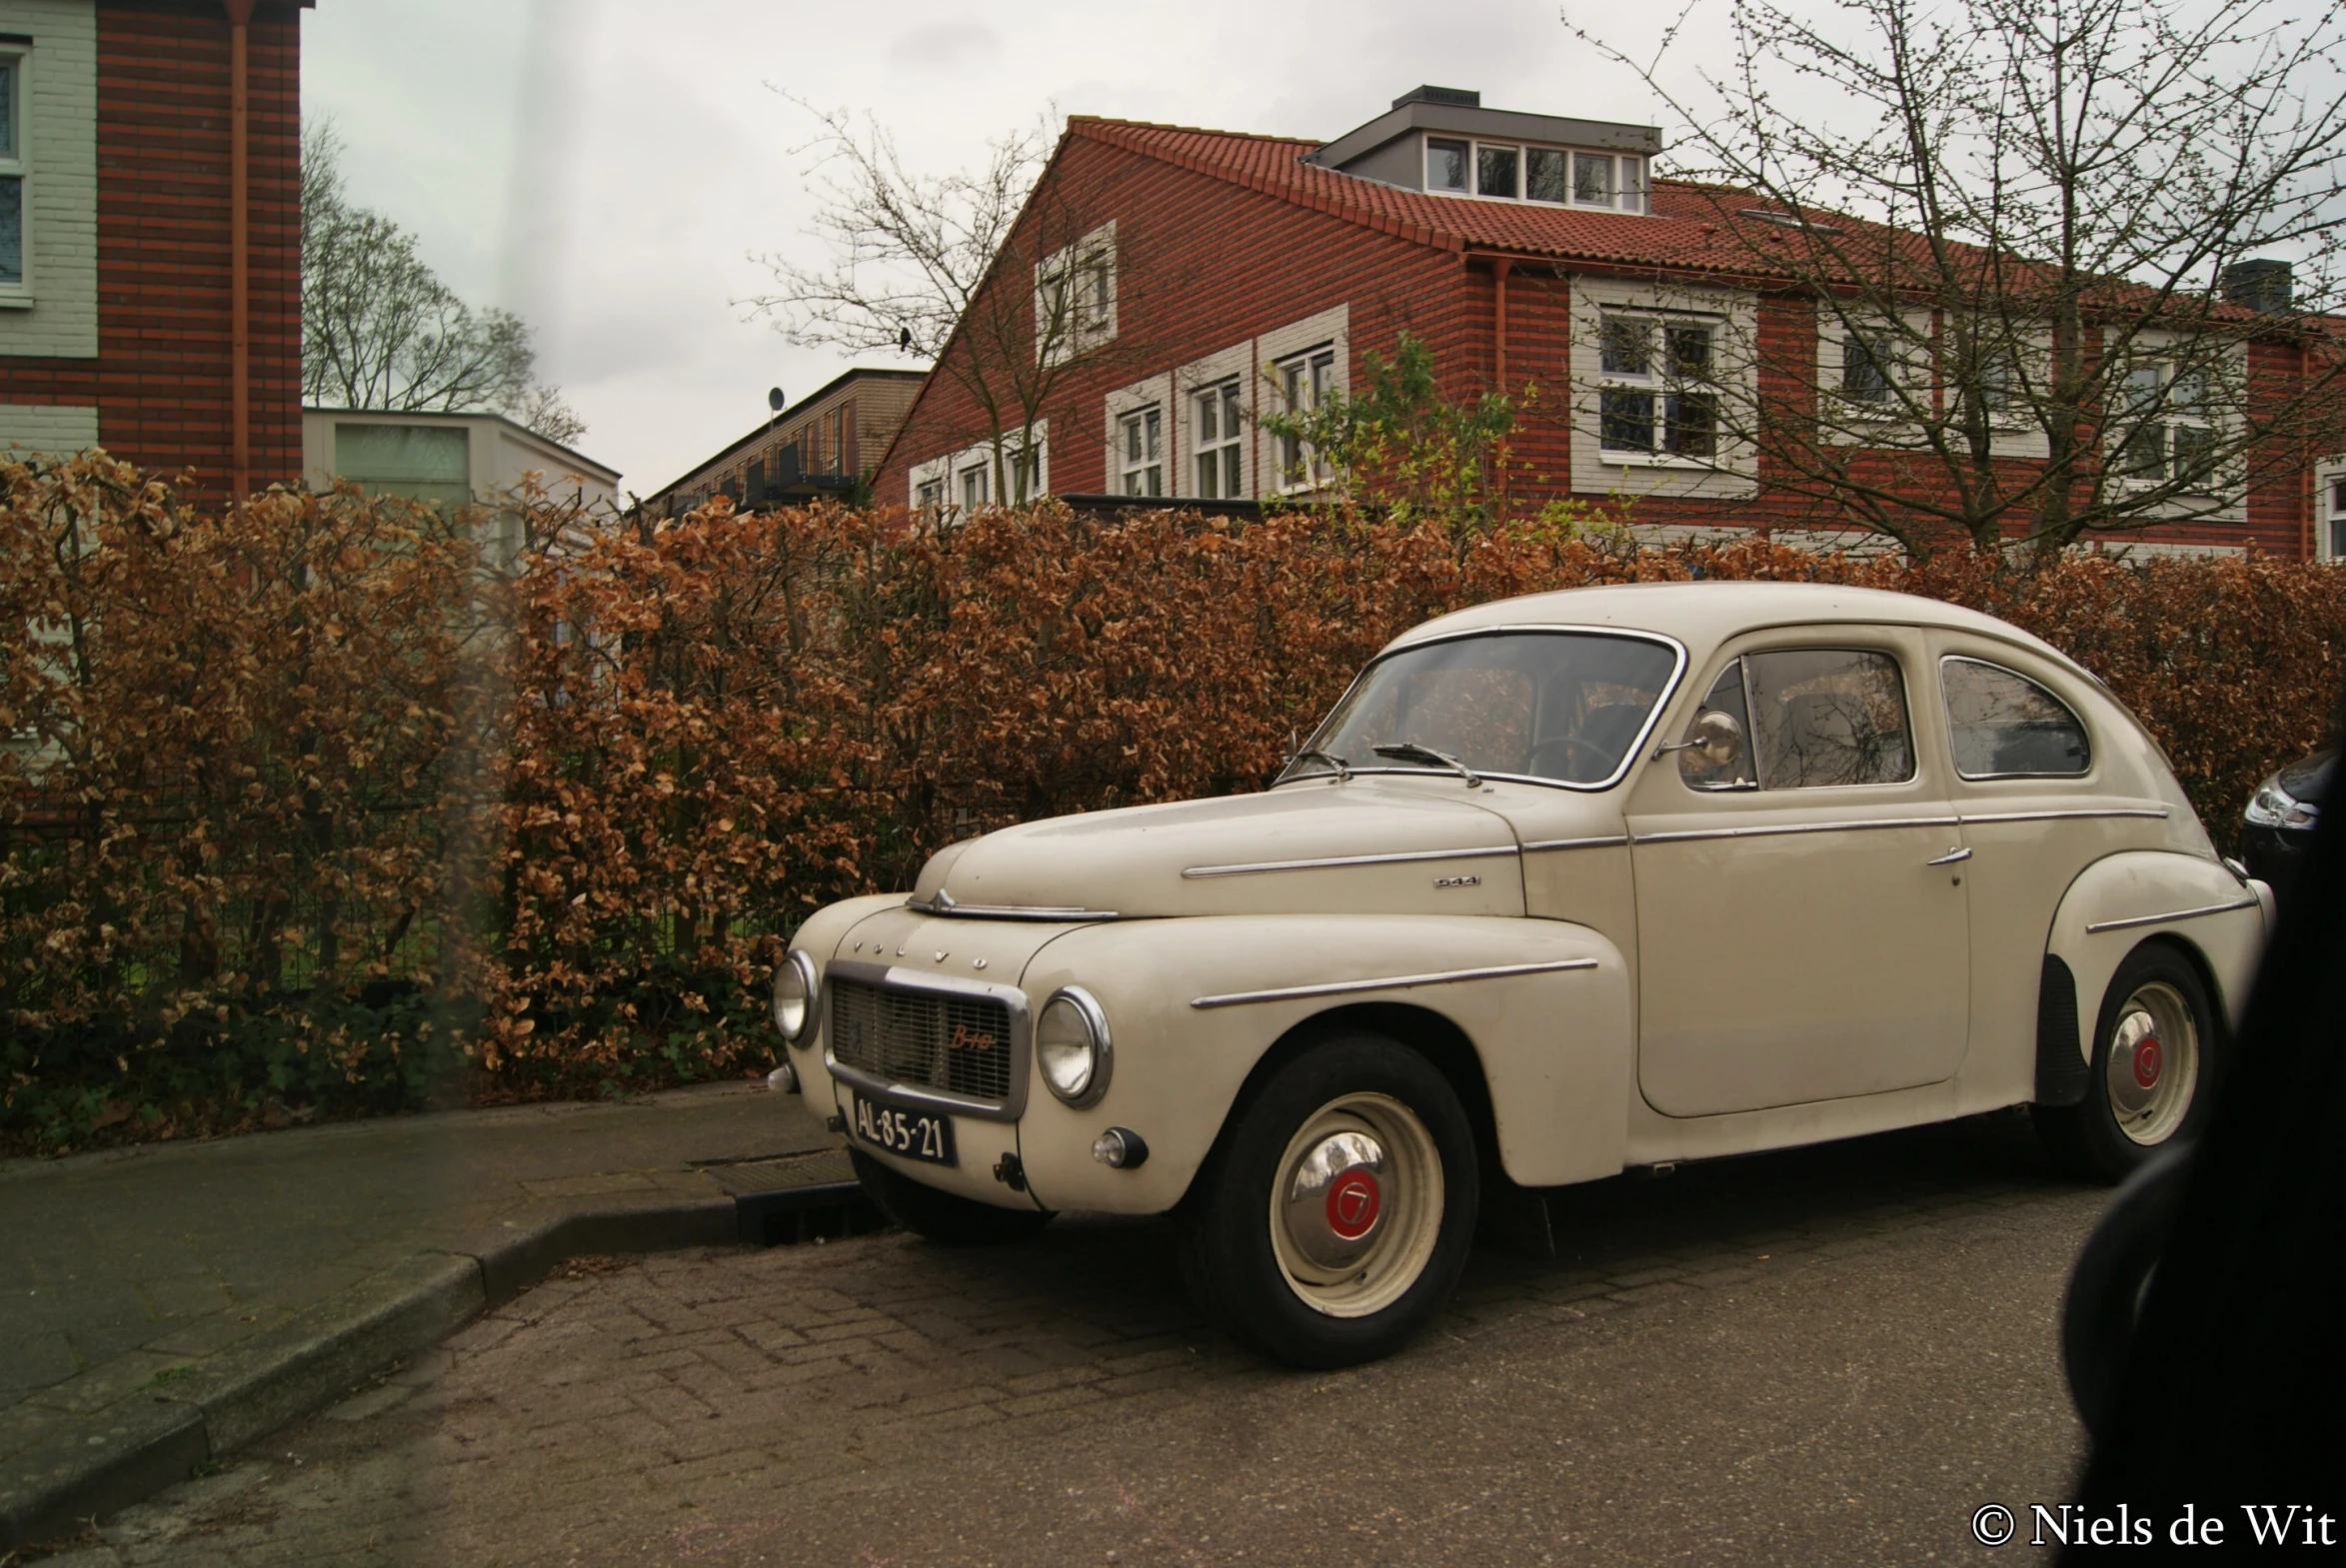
946	907
1249	869
1773	829
1629	758
2097	927
1602	842
2154	811
890	977
1390	983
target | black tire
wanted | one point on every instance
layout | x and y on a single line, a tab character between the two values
941	1217
2091	1139
1231	1258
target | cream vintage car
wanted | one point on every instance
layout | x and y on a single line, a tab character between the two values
1567	885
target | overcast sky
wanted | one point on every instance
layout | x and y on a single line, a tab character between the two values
607	169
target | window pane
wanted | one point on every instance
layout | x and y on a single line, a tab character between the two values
11	229
1230	474
1544	174
1625	346
1828	716
1633	185
2005	725
1593	178
1154	421
2195	456
1625	421
1131	440
1561	706
1494	170
424	462
1207	429
1689	353
1446	165
7	108
1208	471
1693	424
1726	697
1866	369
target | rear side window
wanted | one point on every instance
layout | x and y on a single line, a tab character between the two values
2005	726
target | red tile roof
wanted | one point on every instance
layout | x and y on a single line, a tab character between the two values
1685	229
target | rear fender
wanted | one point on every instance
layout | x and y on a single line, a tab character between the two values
2124	900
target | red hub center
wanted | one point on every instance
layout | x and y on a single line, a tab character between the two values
1354	1200
2147	1061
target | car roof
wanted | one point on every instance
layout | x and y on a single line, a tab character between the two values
1703	614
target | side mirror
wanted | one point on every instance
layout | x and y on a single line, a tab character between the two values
1715	738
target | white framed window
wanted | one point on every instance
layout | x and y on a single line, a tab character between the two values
1220	441
1304	381
2333	528
2165	426
972	488
1657	395
1076	297
13	170
1511	171
929	496
1140	452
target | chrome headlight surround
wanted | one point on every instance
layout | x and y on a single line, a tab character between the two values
797	986
1073	1048
2274	807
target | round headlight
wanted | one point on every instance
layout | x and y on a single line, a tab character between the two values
1071	1046
794	995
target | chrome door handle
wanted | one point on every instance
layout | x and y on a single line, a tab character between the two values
1950	857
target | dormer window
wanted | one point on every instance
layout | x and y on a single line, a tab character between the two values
1557	176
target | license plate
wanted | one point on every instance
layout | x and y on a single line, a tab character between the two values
902	1131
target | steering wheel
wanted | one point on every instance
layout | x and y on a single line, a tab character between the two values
1571	756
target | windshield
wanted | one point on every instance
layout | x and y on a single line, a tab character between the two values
1557	707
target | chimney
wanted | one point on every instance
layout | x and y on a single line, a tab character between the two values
1456	97
2265	286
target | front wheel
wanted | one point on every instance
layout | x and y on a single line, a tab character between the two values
941	1217
1335	1218
2148	1083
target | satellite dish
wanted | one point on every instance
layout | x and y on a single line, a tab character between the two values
775	400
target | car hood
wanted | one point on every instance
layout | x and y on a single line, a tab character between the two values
2307	779
1369	845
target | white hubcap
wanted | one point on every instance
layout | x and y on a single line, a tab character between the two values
1356	1207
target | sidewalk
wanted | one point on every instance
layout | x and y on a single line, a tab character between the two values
162	1305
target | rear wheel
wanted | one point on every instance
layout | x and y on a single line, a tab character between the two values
2147	1084
941	1217
1334	1221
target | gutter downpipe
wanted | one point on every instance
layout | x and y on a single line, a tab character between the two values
240	16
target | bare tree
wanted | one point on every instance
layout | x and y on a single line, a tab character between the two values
2015	221
1004	279
381	331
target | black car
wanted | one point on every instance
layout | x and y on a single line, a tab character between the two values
2278	823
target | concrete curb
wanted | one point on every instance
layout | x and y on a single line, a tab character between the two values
137	1446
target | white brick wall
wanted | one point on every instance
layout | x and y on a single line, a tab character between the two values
57	312
60	429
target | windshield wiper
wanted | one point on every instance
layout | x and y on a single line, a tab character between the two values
1412	752
1344	770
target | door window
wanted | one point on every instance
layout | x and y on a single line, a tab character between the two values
1811	717
2005	726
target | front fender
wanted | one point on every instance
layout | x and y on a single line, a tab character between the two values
2122	898
1553	1044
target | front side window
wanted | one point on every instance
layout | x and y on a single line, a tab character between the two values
1304	384
12	169
1827	715
2005	726
1659	394
1218	444
1563	707
1140	448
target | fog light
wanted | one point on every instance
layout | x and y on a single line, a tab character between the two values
1120	1147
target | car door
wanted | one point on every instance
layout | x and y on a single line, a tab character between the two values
1802	917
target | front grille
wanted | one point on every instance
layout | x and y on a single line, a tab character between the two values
957	1044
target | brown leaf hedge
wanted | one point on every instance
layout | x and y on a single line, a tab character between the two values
309	809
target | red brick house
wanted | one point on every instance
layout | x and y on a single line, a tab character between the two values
150	237
1222	276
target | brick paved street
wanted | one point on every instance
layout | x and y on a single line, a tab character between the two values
1832	1355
